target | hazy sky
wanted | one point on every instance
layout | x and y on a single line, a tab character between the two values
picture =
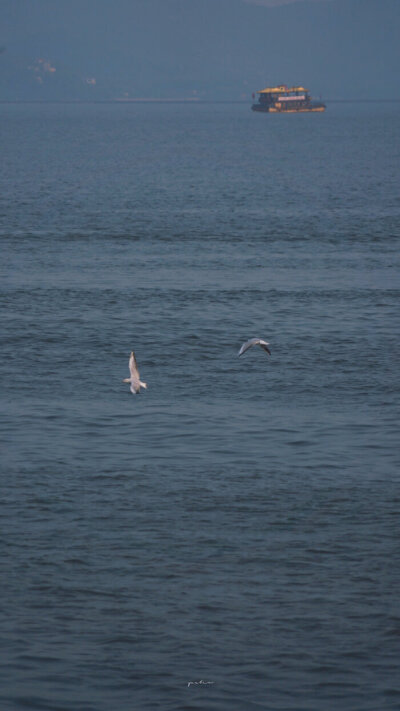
202	49
272	3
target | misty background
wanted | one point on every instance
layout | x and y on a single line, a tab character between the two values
197	49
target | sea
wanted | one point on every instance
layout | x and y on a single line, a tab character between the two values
228	539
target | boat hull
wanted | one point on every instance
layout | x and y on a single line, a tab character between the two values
273	110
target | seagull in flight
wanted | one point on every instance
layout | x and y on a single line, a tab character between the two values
254	342
134	380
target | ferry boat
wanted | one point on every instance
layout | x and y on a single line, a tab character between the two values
286	100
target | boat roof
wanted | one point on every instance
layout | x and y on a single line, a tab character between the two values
280	89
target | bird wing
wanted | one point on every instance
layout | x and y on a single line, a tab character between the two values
133	369
254	342
248	344
264	344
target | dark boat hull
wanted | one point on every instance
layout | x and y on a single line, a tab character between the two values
301	109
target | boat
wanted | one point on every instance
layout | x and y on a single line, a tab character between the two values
286	100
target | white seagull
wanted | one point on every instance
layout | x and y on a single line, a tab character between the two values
254	342
134	380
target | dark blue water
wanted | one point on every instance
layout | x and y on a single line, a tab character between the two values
237	523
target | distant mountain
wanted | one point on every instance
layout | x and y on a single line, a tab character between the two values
209	49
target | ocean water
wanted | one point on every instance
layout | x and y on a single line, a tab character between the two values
228	539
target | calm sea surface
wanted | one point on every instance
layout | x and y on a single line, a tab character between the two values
237	523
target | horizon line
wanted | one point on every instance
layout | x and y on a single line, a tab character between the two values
177	101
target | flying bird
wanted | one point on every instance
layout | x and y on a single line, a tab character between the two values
134	380
254	342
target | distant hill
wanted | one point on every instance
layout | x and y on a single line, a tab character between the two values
209	49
